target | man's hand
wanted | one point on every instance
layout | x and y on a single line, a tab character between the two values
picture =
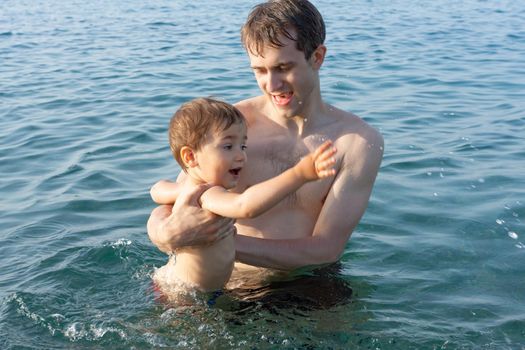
186	224
318	164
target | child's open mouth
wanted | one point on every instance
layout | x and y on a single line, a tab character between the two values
235	171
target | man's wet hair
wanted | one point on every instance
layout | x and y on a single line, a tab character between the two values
268	21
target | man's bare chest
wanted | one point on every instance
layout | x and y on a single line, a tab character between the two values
268	160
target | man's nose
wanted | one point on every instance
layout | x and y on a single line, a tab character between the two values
274	82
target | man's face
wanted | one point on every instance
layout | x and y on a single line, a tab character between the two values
286	77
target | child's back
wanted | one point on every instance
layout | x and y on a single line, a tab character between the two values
206	268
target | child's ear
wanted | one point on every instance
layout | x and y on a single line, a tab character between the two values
188	157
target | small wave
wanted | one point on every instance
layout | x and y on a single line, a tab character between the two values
51	322
41	231
80	331
121	242
163	24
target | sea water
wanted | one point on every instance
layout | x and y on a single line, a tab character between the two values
86	92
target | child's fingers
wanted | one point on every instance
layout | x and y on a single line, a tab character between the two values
326	164
326	173
322	148
327	154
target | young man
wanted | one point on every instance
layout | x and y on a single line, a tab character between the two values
284	40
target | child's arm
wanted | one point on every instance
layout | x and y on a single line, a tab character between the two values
165	192
260	197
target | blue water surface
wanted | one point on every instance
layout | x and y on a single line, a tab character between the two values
86	92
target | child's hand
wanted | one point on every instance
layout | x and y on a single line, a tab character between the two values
318	164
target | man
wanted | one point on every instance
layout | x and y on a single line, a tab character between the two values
284	40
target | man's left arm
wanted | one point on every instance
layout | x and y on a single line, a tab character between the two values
344	206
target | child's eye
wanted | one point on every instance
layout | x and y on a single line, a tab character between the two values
243	147
227	147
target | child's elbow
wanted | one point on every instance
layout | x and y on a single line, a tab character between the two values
247	212
156	193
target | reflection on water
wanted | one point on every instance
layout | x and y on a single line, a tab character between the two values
318	289
322	288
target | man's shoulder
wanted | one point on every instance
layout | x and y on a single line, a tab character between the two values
248	102
360	140
250	106
351	125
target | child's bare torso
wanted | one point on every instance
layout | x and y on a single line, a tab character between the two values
206	268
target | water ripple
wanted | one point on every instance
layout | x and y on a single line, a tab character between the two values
86	96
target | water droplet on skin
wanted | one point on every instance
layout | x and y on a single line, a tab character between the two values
513	235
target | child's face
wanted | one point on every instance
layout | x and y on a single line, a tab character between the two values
222	156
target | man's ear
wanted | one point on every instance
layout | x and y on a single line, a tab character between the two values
318	56
187	156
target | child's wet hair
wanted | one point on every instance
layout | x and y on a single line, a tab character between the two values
192	122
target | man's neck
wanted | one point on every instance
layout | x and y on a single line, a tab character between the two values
310	115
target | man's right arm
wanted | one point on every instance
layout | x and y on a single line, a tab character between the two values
186	223
343	207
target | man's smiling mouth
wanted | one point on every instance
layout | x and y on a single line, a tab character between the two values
282	99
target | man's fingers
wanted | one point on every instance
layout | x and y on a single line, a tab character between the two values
191	196
226	231
220	228
155	223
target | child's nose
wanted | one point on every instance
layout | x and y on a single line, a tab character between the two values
240	156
